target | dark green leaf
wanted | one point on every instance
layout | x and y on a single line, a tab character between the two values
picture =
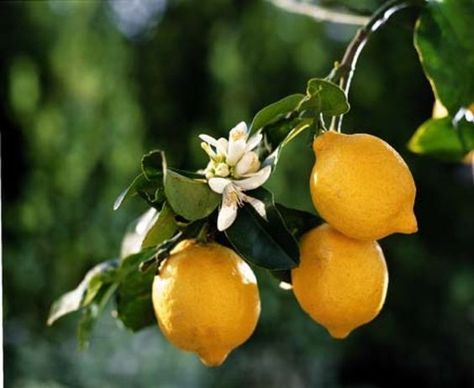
297	221
190	198
134	307
163	226
102	274
153	165
276	111
324	97
188	174
276	133
130	191
151	191
268	244
131	263
294	129
444	40
438	137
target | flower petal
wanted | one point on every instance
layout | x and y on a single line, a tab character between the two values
239	132
227	213
253	142
222	145
218	184
235	151
256	180
208	139
247	164
258	205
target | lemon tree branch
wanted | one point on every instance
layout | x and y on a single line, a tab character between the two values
344	71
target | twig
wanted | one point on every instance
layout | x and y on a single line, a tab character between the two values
320	13
344	71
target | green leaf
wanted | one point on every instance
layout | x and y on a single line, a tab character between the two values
149	184
297	221
444	41
131	263
130	191
134	307
163	226
190	198
295	127
268	244
153	165
276	133
102	274
151	191
324	97
276	111
439	138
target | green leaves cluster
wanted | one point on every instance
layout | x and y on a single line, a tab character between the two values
285	119
183	206
444	40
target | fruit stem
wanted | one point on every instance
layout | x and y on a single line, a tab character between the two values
344	71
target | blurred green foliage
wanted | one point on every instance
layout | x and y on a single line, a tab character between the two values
86	89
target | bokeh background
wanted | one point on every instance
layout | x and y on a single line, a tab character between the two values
86	87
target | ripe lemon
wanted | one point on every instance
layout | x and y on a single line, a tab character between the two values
361	186
340	282
206	300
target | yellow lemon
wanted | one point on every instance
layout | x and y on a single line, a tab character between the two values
340	282
206	300
361	186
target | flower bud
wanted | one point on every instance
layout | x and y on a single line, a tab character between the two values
248	164
222	170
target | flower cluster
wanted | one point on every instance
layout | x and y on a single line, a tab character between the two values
234	167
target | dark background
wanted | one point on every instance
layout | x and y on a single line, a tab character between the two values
87	87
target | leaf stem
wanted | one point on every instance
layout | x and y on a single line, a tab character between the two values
344	71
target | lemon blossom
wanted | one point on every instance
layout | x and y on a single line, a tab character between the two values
233	169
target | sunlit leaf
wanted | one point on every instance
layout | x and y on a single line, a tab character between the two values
439	138
444	40
163	226
276	111
324	97
190	198
102	274
130	191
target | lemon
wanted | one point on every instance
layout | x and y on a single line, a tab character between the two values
206	300
361	186
340	282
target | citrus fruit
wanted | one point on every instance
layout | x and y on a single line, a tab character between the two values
206	300
361	186
341	282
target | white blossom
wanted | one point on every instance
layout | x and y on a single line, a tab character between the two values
233	169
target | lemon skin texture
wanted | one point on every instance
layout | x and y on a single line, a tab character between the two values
361	186
206	300
340	282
